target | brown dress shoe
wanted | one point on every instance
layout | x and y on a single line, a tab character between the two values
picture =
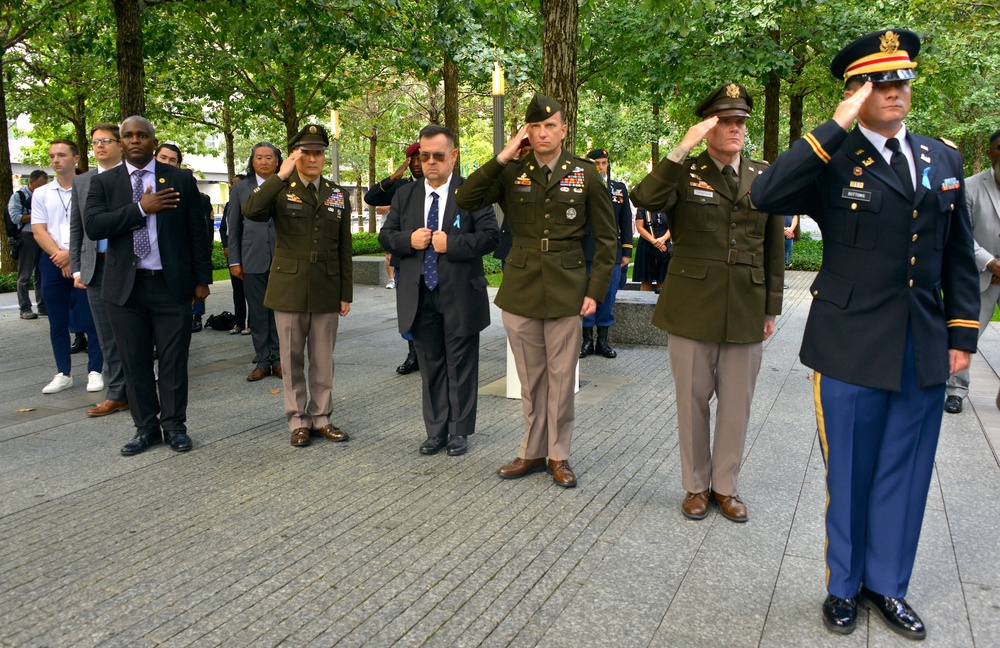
521	467
300	437
332	432
562	474
732	507
259	373
276	371
107	407
695	506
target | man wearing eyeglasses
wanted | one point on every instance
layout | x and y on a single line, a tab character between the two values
982	195
442	295
87	258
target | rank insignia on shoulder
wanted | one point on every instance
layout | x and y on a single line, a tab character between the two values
948	142
868	162
950	183
290	197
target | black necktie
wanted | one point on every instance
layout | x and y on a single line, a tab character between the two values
430	256
548	173
899	165
730	176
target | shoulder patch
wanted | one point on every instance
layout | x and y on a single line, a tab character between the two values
948	142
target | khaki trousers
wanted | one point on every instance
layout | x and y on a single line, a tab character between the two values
546	352
729	371
312	408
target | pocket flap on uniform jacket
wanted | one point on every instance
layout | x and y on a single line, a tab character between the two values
289	266
692	268
517	257
833	289
573	258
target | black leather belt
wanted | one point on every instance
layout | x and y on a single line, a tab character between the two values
730	255
143	272
311	257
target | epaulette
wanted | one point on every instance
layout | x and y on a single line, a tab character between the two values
760	163
948	142
583	159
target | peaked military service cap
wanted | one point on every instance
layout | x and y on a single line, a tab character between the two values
728	100
541	108
312	138
598	154
880	57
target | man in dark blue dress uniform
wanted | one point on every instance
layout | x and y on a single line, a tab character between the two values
604	318
894	312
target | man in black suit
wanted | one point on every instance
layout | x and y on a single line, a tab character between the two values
441	296
157	262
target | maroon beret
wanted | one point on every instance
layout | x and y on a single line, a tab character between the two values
413	149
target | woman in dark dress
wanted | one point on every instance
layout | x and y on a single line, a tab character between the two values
654	249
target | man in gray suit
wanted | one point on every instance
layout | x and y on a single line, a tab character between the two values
86	260
251	248
982	195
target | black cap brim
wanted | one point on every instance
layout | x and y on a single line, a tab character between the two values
887	76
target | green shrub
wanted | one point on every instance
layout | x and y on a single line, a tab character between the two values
219	260
364	243
807	254
8	282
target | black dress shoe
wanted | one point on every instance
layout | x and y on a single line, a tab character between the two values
179	442
433	445
410	364
140	443
953	404
840	615
79	343
899	616
196	325
458	445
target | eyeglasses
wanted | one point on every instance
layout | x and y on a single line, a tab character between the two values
439	156
104	141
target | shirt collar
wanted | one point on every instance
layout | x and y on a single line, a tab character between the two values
101	169
150	167
736	163
878	141
441	191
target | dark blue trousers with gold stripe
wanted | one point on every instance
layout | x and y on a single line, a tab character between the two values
879	450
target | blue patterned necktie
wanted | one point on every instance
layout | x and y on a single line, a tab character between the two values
430	256
140	237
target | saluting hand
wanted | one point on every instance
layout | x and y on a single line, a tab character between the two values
288	164
509	152
697	133
849	108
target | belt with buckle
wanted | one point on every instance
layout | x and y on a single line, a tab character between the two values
543	245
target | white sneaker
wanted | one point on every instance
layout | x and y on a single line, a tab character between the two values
391	284
59	383
95	381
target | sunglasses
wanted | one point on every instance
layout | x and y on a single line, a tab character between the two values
438	156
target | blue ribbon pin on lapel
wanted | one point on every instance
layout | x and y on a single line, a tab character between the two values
926	181
458	221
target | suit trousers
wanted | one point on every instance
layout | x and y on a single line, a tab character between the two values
312	408
449	370
59	300
546	352
114	372
239	301
879	448
151	318
701	369
27	266
958	383
260	319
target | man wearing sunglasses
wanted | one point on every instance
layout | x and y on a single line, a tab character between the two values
441	296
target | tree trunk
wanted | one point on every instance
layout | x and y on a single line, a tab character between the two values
227	132
977	155
80	131
451	122
7	264
772	107
795	105
433	108
131	68
289	117
559	60
372	142
654	149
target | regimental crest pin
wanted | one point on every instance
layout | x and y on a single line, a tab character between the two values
857	171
